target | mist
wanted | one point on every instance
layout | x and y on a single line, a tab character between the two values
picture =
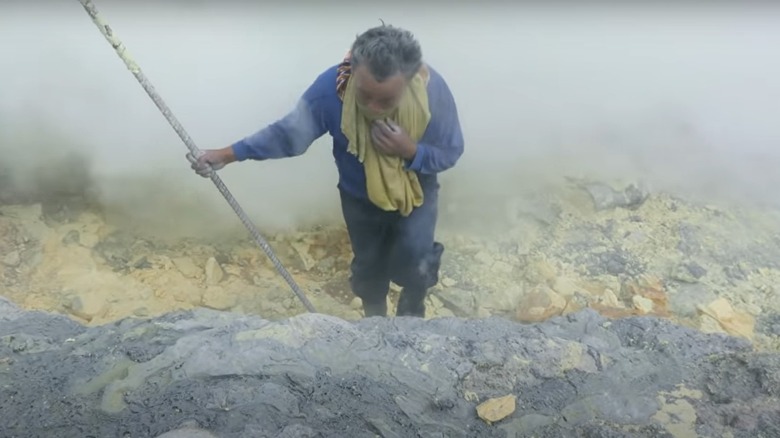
683	98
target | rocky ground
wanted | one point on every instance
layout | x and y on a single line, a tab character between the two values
581	244
215	374
584	309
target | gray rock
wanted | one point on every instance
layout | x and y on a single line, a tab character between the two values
685	298
189	429
689	272
614	262
461	302
526	424
769	323
296	431
690	242
533	207
316	375
605	197
71	237
12	259
696	270
736	272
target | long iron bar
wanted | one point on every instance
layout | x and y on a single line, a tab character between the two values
121	50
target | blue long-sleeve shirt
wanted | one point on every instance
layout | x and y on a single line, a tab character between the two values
319	111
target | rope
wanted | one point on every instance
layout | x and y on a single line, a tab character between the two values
121	50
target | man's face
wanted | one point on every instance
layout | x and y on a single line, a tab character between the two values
377	99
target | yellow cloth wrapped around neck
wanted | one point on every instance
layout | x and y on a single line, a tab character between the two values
390	186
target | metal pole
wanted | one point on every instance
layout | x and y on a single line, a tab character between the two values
121	50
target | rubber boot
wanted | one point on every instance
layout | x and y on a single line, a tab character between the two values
411	303
375	309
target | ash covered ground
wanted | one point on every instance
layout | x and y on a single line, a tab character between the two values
315	375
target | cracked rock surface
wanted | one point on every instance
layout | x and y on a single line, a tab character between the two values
713	268
210	373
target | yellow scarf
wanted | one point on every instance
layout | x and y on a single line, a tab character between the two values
390	186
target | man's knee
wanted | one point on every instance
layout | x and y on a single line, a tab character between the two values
417	267
372	290
416	278
370	284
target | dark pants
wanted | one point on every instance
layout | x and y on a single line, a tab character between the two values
389	247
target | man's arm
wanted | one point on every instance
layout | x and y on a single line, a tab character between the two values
291	135
442	144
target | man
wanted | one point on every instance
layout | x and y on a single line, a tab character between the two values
394	126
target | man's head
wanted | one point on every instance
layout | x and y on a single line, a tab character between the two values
384	59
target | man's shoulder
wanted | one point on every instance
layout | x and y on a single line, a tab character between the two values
440	97
324	84
436	80
434	74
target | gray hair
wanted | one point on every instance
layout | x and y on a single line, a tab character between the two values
386	51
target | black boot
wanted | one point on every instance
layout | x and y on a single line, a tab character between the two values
375	309
411	303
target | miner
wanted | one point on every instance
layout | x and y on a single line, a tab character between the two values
394	125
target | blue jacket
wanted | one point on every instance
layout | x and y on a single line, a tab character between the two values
319	111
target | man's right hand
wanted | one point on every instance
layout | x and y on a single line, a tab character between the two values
210	160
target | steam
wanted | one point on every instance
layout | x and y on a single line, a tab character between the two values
684	99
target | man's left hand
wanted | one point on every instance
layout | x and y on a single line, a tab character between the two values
391	139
